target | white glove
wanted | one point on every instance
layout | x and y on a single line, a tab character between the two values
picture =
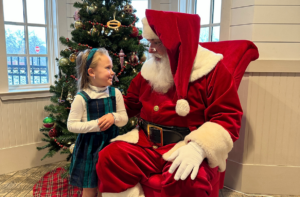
188	158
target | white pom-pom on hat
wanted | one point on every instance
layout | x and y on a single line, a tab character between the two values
182	107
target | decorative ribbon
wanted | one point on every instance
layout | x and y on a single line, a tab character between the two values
90	58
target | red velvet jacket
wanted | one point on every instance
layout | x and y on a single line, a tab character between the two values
212	98
215	109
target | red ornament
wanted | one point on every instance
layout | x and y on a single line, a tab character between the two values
67	39
53	132
140	37
135	32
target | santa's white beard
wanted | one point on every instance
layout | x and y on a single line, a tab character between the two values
158	73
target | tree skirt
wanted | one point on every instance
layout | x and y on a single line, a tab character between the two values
52	185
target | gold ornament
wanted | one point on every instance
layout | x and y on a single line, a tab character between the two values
128	9
70	97
133	58
66	50
71	148
134	71
91	9
63	62
143	58
94	31
78	24
113	24
72	57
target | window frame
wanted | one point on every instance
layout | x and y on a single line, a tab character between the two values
143	41
211	24
52	41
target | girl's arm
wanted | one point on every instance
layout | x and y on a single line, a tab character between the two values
76	115
121	117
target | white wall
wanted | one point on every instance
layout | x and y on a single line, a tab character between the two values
21	117
266	157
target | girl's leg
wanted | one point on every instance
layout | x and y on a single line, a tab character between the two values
99	194
89	192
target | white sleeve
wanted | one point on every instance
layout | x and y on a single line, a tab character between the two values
75	125
121	117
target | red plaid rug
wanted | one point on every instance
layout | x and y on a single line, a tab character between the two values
52	185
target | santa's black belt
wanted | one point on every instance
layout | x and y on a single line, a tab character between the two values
162	135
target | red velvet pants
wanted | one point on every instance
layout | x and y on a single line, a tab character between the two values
122	165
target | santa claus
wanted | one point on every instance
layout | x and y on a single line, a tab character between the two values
189	110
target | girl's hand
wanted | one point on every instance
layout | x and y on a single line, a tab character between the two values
106	121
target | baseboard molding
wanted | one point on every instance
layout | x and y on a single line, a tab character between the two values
26	156
263	179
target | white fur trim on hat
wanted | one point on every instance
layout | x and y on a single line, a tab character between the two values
136	191
148	33
182	107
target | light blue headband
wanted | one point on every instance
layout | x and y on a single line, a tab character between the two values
90	58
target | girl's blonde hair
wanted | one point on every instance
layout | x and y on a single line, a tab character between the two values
82	75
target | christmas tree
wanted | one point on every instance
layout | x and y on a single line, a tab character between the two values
97	23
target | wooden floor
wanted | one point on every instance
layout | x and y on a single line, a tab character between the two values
20	183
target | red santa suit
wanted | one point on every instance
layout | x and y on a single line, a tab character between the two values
204	99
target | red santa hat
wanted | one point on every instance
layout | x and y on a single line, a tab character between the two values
179	33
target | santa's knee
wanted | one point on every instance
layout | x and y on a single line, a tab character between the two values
112	155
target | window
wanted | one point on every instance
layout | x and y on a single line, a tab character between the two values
210	13
26	29
141	6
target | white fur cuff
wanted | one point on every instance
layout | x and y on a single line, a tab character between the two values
148	33
215	141
130	137
182	107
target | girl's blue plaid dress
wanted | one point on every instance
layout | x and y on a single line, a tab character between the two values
85	154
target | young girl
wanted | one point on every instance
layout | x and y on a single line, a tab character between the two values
96	113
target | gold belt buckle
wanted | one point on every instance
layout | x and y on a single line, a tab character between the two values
161	134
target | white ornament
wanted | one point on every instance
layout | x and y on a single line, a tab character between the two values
71	148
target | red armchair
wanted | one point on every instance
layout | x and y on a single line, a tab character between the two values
237	55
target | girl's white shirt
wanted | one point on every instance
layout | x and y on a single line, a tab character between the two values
77	121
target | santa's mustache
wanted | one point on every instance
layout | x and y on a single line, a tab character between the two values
156	55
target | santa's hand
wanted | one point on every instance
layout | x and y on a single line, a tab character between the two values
188	158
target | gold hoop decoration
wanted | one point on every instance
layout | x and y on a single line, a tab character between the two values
113	24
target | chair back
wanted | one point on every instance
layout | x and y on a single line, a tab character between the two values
237	55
